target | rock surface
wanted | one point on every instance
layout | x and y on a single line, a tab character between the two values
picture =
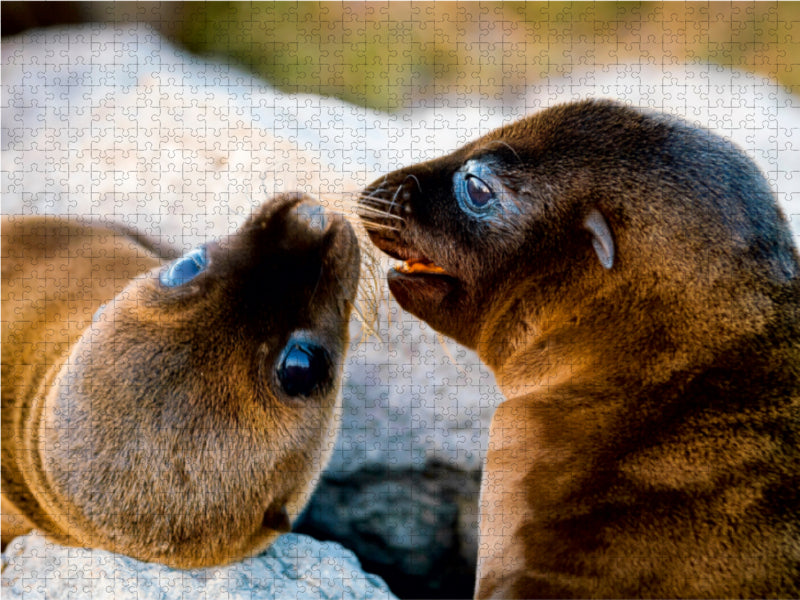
114	122
295	566
417	529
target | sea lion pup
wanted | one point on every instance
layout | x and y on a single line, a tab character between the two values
634	287
177	412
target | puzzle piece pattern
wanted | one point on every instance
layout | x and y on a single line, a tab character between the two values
295	566
116	123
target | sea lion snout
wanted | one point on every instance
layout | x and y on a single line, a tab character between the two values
187	422
296	210
314	244
313	214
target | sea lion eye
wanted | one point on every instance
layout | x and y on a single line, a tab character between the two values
478	191
186	268
303	367
474	195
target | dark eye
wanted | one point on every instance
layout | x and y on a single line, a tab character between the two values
303	367
472	192
186	268
479	193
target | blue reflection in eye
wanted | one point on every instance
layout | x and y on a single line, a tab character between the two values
303	367
184	269
477	191
473	194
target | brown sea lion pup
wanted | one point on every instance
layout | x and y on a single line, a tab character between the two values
633	285
174	411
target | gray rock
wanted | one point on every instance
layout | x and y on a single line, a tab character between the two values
416	529
295	566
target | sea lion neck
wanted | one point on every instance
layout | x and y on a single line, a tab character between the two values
610	332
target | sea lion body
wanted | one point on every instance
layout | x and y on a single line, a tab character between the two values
633	285
177	412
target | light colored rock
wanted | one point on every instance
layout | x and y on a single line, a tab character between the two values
295	566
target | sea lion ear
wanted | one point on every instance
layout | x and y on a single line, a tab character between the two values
602	240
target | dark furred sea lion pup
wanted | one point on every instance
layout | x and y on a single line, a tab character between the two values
633	285
177	412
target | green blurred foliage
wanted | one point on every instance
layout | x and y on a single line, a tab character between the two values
385	55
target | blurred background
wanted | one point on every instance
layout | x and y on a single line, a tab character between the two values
391	55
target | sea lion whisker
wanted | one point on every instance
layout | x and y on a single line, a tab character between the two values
379	188
365	210
394	197
376	199
377	220
356	216
449	354
414	177
366	324
373	226
375	191
505	144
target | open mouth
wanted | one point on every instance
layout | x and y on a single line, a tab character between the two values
388	236
420	266
412	262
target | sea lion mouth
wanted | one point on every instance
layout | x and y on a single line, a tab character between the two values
412	262
387	225
420	266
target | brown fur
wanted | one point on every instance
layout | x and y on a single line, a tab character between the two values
648	446
160	429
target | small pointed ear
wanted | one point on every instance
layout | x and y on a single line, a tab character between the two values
602	240
278	519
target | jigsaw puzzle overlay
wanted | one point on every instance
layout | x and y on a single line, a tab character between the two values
115	123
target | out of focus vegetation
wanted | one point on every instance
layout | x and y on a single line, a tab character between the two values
386	55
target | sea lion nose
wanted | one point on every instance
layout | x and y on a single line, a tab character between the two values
313	215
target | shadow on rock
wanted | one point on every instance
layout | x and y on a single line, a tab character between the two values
415	529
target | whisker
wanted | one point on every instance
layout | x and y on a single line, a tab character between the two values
371	294
357	219
370	211
394	198
366	324
370	226
414	177
373	223
502	143
376	199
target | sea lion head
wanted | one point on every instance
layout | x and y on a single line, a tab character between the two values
580	216
194	415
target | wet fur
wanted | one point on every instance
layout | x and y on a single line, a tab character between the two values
648	446
154	426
